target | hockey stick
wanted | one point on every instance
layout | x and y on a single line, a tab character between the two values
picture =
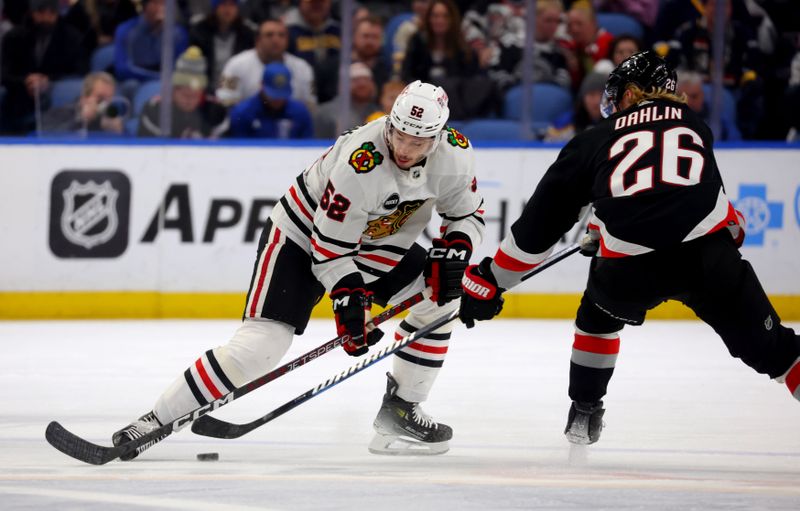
221	429
88	452
213	427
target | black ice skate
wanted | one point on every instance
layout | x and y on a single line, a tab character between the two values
403	428
585	422
138	428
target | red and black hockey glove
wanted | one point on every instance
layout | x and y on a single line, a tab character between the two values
482	298
447	260
351	307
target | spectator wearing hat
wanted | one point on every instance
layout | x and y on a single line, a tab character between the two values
194	114
138	41
36	53
585	113
362	104
244	72
222	34
272	113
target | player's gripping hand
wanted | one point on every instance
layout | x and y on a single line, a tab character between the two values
482	298
351	308
736	228
444	267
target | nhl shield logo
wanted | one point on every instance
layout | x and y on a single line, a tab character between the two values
89	213
95	220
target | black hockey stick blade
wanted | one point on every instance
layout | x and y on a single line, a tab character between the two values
210	426
83	450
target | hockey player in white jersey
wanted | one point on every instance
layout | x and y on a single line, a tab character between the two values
349	225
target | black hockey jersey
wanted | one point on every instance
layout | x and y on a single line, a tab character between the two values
650	177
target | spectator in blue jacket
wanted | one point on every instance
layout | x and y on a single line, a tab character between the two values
272	113
137	44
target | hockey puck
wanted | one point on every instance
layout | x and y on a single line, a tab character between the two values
208	456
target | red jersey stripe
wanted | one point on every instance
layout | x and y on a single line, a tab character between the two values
379	259
300	204
507	262
207	379
262	274
606	252
324	252
597	345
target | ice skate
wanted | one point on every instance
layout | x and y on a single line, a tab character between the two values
137	429
402	428
585	422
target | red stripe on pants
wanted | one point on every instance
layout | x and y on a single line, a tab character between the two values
263	273
597	345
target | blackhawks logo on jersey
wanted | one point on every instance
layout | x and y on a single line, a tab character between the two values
365	158
457	139
391	223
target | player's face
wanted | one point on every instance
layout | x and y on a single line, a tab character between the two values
408	150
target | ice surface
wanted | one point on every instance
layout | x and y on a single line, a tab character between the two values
688	427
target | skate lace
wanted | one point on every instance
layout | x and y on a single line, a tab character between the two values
422	418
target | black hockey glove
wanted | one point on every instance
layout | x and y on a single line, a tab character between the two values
351	307
447	260
482	298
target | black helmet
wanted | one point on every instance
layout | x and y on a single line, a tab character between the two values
644	69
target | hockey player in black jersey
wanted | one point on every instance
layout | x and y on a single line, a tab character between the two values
661	227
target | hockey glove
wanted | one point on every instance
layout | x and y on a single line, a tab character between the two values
351	308
482	298
736	228
447	260
590	243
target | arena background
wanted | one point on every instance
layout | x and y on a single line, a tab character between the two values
149	229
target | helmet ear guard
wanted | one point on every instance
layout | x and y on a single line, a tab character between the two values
646	70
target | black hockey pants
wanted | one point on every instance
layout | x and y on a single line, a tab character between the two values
710	277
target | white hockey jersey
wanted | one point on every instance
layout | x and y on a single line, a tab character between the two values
353	210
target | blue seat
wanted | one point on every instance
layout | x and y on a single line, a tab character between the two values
132	126
620	24
492	129
390	30
548	101
65	92
143	94
102	58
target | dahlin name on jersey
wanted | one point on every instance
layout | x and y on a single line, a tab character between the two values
649	114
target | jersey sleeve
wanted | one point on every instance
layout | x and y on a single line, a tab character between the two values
461	205
338	224
552	210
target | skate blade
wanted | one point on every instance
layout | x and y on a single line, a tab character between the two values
578	438
393	445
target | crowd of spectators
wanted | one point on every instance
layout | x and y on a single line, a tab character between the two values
270	68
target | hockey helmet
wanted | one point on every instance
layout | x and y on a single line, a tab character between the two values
420	110
644	69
